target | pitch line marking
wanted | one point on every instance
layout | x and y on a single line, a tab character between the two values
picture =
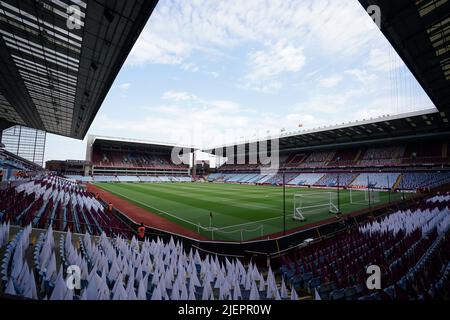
194	224
151	207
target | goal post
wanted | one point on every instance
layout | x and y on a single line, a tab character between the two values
364	196
314	202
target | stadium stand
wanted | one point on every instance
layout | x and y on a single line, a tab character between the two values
116	159
14	168
417	180
105	178
404	244
382	156
434	152
409	153
334	179
376	180
317	159
133	160
79	178
345	158
306	179
294	160
60	203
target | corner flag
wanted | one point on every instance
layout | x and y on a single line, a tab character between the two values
210	219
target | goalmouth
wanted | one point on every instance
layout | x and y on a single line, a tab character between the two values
364	196
310	202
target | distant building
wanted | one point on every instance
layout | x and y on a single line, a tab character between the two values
68	167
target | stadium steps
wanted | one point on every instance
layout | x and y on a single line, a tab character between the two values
351	181
397	183
358	155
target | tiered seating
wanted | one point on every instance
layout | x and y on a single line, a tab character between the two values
4	233
430	152
425	153
13	161
239	167
376	180
104	179
127	159
128	178
331	179
150	179
400	244
182	179
418	180
317	159
294	160
344	158
383	156
127	270
59	203
409	181
214	177
306	179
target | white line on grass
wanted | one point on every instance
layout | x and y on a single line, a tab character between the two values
154	208
197	225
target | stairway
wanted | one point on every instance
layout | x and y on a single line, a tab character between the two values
397	183
357	156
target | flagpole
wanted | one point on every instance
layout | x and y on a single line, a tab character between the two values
284	203
210	225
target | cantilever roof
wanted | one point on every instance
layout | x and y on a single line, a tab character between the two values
419	30
413	125
92	139
56	71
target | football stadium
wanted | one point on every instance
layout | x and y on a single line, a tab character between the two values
355	208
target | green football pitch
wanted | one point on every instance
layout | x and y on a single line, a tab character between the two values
239	212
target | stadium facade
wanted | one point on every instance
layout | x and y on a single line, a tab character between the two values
25	142
110	156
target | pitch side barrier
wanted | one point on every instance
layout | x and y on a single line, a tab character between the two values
260	250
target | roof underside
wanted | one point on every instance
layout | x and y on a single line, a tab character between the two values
55	77
419	30
119	144
387	130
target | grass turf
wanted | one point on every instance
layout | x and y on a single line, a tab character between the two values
256	210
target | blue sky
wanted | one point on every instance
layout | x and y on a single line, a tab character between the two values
207	72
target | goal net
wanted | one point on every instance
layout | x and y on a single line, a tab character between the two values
314	203
363	196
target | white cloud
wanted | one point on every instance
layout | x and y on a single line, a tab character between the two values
202	123
178	28
225	105
261	86
331	81
214	74
154	48
384	60
275	59
178	96
124	86
279	36
190	67
333	103
361	75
